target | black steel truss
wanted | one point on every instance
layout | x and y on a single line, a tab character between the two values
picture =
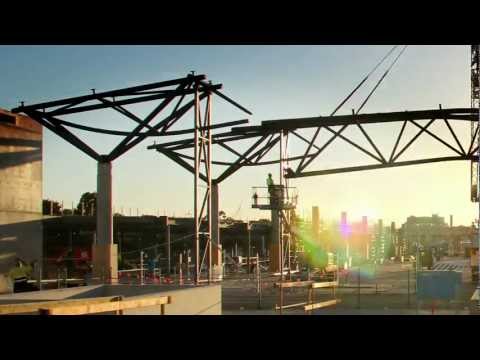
267	135
48	113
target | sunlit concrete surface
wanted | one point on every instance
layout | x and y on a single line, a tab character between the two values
186	300
20	190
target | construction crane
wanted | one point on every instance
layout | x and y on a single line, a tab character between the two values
474	165
475	102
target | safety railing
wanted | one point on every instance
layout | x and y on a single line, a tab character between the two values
275	196
97	305
309	305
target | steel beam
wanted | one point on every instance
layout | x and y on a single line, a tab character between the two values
247	163
437	138
356	145
321	149
52	124
226	98
413	139
238	164
379	166
117	151
126	113
211	127
93	129
397	141
338	120
175	157
135	100
174	115
454	136
120	92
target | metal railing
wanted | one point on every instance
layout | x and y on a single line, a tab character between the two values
279	194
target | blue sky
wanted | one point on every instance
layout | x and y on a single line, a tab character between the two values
274	82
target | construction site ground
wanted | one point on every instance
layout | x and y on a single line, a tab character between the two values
380	290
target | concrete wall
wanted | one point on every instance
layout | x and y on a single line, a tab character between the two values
20	190
186	300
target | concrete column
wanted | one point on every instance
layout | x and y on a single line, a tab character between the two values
105	259
169	248
104	204
216	242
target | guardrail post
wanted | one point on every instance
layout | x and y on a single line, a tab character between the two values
40	277
259	283
180	272
141	267
281	297
408	287
358	288
310	298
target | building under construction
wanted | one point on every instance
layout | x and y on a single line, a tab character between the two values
173	259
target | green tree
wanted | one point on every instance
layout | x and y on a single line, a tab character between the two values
51	207
87	204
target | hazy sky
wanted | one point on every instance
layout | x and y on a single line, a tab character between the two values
274	82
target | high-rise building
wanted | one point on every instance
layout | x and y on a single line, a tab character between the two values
381	246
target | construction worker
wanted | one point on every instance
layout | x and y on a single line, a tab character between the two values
270	183
255	199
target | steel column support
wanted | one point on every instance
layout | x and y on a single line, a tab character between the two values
208	168
196	239
216	241
104	203
105	255
280	212
202	149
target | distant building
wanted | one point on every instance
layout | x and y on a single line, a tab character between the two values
433	232
68	240
360	240
461	238
382	243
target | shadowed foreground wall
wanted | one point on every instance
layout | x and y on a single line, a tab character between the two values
20	190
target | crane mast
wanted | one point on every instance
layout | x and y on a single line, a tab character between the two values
475	100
